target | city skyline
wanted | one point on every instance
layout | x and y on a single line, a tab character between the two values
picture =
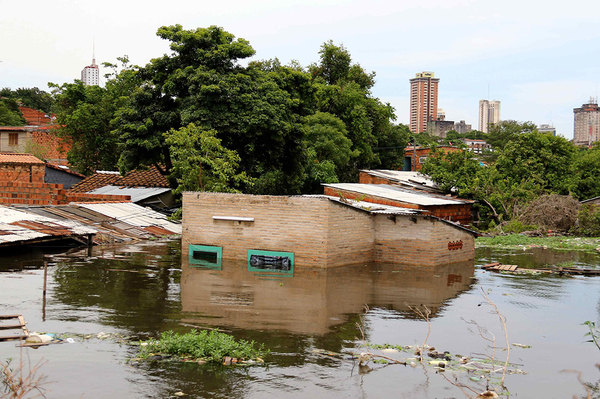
482	50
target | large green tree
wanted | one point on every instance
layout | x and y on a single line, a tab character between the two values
586	173
202	82
504	131
343	90
201	163
540	158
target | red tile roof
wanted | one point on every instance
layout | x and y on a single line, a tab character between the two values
136	178
144	178
95	181
18	158
33	117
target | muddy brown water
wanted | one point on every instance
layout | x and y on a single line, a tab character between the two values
132	292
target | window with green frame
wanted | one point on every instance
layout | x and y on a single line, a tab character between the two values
205	256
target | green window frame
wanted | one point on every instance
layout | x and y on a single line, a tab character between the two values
205	256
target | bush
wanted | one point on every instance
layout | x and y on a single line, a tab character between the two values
588	222
552	212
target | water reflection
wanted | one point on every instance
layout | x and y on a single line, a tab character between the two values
133	287
135	290
313	300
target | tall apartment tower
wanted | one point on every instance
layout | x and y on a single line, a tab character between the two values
489	114
587	123
423	100
90	75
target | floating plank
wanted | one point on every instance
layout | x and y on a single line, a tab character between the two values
22	326
9	316
13	337
490	265
10	327
497	267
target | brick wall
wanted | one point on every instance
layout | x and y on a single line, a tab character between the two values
320	232
350	235
288	224
366	178
47	194
22	173
421	241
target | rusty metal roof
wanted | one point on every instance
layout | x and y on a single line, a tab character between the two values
133	214
19	226
113	221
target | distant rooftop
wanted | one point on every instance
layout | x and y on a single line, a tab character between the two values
19	158
150	177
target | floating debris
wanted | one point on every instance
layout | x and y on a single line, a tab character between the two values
514	269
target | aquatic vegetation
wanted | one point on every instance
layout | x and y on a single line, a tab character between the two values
208	346
594	333
520	241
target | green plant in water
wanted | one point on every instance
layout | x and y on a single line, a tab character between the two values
594	333
210	346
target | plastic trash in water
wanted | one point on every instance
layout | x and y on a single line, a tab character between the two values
39	339
70	340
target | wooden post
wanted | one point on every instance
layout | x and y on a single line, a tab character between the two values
44	291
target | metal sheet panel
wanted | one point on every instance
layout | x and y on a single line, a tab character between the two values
136	193
394	194
133	214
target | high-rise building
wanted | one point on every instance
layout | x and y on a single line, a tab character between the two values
423	100
90	75
489	114
587	123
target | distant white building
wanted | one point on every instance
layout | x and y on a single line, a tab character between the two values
545	128
90	75
489	114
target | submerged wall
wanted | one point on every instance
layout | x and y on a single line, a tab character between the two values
320	232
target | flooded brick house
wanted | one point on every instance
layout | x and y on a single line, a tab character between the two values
316	231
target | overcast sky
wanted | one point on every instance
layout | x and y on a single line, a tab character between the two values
541	59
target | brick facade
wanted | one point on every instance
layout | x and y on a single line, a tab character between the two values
26	173
40	193
320	232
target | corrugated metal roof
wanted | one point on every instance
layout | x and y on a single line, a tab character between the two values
394	194
416	179
133	214
17	226
136	193
375	208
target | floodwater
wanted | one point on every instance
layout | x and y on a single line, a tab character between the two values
310	322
